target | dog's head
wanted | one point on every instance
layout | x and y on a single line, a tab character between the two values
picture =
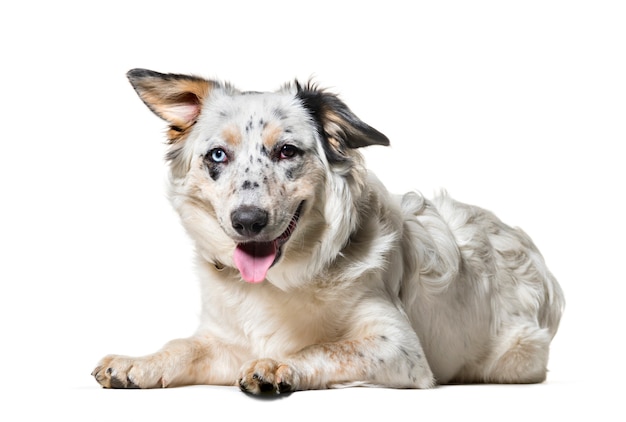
253	174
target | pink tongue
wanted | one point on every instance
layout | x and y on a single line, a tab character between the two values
254	259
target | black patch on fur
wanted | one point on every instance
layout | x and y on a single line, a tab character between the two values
289	174
249	125
293	170
248	185
268	186
135	74
315	104
353	133
214	169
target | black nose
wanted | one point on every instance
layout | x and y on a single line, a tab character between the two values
248	220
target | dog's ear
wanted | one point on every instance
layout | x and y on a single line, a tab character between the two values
175	98
340	127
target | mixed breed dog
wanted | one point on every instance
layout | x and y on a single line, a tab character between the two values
313	275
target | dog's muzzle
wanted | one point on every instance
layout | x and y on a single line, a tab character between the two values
254	259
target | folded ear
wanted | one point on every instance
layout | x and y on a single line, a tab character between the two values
175	98
340	127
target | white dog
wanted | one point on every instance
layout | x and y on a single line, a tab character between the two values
313	275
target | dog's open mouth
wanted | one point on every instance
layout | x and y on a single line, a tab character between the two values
254	259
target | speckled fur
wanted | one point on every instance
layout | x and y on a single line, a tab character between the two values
370	288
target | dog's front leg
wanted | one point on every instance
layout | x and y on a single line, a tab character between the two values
387	353
369	361
194	360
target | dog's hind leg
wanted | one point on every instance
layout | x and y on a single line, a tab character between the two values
520	356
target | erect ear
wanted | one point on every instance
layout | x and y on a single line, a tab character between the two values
175	98
340	126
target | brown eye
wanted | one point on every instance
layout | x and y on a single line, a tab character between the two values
288	151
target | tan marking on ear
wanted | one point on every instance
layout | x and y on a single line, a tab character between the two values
334	143
178	101
176	134
181	105
332	116
333	126
232	135
271	134
200	87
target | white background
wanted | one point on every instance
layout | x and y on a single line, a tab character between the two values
515	106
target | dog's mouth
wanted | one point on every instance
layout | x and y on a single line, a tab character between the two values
254	259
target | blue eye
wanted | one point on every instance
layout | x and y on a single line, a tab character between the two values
218	155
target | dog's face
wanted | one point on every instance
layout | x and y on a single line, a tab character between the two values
251	171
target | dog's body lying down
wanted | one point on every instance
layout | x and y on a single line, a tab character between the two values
313	275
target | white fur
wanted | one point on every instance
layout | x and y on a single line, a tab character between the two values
371	288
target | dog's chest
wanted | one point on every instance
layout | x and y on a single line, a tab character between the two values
270	322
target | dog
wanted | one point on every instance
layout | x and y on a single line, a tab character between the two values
313	275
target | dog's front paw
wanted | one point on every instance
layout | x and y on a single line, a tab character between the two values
268	376
124	372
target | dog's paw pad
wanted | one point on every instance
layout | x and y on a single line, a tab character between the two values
284	387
